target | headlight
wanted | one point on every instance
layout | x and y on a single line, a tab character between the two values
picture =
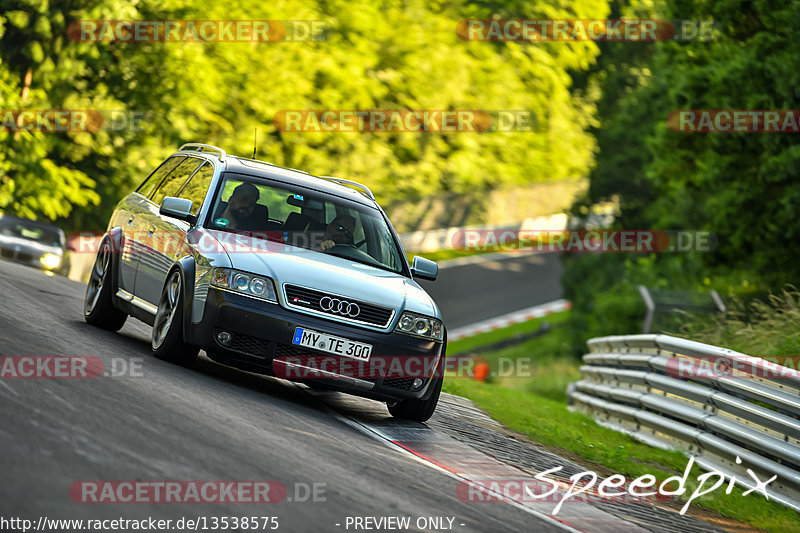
420	326
51	260
256	286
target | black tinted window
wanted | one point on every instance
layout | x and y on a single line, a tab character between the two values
32	232
146	188
305	219
175	180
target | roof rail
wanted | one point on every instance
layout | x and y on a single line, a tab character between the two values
366	192
199	147
243	158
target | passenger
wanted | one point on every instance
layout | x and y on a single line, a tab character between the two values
339	231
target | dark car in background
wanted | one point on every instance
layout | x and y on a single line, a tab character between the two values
33	243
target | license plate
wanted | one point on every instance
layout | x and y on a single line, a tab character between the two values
332	344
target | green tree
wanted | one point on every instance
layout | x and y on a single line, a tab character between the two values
743	187
378	55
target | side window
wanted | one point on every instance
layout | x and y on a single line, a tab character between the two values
276	201
197	187
173	183
146	188
358	233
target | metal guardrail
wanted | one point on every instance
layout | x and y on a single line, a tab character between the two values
713	403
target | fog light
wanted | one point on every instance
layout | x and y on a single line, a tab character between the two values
417	384
224	338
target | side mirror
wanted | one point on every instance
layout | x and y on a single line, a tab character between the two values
424	268
179	208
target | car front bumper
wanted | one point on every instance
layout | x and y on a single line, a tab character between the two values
28	259
262	334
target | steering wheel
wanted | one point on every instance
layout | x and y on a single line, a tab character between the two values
350	251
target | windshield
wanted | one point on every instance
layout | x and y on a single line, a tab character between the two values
306	219
13	227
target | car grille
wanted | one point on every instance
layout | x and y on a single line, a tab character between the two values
18	256
285	350
251	345
398	383
310	299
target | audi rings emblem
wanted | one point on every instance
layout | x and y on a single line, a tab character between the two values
342	307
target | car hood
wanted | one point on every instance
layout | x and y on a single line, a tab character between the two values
325	272
27	246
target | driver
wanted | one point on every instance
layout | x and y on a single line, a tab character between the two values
241	206
339	231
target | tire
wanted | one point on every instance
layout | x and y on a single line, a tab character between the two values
98	304
419	410
166	341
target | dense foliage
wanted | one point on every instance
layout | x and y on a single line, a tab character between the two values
744	187
377	55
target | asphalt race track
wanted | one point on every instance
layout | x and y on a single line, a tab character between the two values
205	423
339	458
485	289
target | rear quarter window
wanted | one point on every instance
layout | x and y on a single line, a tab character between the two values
197	187
172	184
152	181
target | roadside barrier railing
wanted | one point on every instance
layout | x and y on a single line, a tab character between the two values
713	403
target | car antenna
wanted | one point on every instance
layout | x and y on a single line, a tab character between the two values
255	137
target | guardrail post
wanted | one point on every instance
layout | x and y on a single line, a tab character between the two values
651	307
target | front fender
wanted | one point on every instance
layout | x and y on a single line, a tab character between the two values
187	267
115	238
440	368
